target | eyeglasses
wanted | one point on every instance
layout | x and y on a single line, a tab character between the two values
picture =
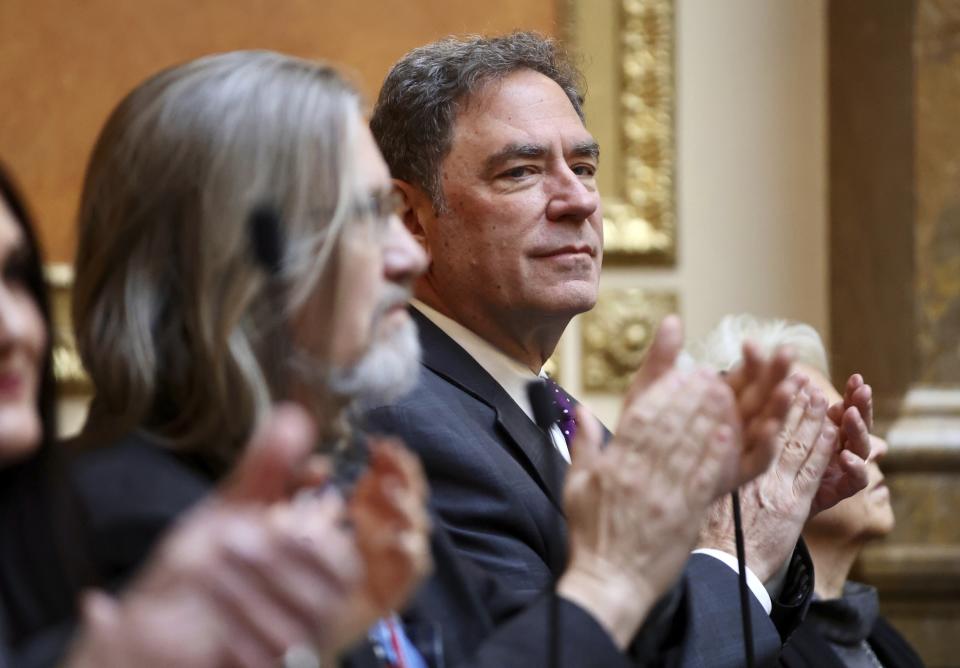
379	205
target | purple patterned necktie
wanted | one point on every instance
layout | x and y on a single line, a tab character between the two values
563	401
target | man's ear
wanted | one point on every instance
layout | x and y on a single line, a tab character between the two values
417	208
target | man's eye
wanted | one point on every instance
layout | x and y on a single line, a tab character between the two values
517	172
584	170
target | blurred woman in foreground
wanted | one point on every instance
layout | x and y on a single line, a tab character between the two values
31	502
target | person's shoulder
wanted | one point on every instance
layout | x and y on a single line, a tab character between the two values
131	490
435	406
136	476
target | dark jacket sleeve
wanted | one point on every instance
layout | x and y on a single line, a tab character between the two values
524	640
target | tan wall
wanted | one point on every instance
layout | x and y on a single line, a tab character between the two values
751	167
65	64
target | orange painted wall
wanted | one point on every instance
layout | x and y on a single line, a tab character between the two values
64	64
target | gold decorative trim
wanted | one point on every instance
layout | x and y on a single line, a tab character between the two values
616	334
639	221
67	367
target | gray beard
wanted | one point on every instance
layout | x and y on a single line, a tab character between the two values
385	373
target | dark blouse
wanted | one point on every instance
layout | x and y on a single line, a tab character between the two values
123	498
848	632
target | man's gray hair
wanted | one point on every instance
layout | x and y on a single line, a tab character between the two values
175	322
418	103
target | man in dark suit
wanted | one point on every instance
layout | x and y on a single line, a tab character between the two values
486	142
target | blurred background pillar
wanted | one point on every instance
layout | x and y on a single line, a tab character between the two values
894	87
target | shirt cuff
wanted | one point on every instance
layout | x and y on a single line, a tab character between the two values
753	582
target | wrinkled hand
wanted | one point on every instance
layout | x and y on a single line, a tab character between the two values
847	473
776	505
241	578
633	507
764	392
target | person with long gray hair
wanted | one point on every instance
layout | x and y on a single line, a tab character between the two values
179	330
237	249
173	614
843	628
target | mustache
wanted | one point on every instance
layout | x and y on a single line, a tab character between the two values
394	295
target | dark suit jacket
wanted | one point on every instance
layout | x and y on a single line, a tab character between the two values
497	485
133	490
808	649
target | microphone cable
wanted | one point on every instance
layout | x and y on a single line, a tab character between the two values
747	623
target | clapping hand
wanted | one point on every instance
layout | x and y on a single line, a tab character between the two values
763	393
634	506
847	472
776	505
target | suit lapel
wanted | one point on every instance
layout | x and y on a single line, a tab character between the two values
529	444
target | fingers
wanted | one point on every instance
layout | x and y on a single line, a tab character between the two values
797	409
845	476
761	437
863	401
313	534
754	396
242	602
392	525
802	438
808	478
283	581
315	472
855	432
272	462
100	610
388	456
855	474
660	358
835	412
748	370
854	382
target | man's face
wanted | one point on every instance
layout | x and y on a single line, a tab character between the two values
372	345
521	236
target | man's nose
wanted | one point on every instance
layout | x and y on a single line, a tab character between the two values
403	258
570	198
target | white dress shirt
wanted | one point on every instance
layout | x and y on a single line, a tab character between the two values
513	377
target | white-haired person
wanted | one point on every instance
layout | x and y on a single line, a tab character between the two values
843	627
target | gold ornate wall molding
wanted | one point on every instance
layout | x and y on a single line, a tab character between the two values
627	50
67	367
615	335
